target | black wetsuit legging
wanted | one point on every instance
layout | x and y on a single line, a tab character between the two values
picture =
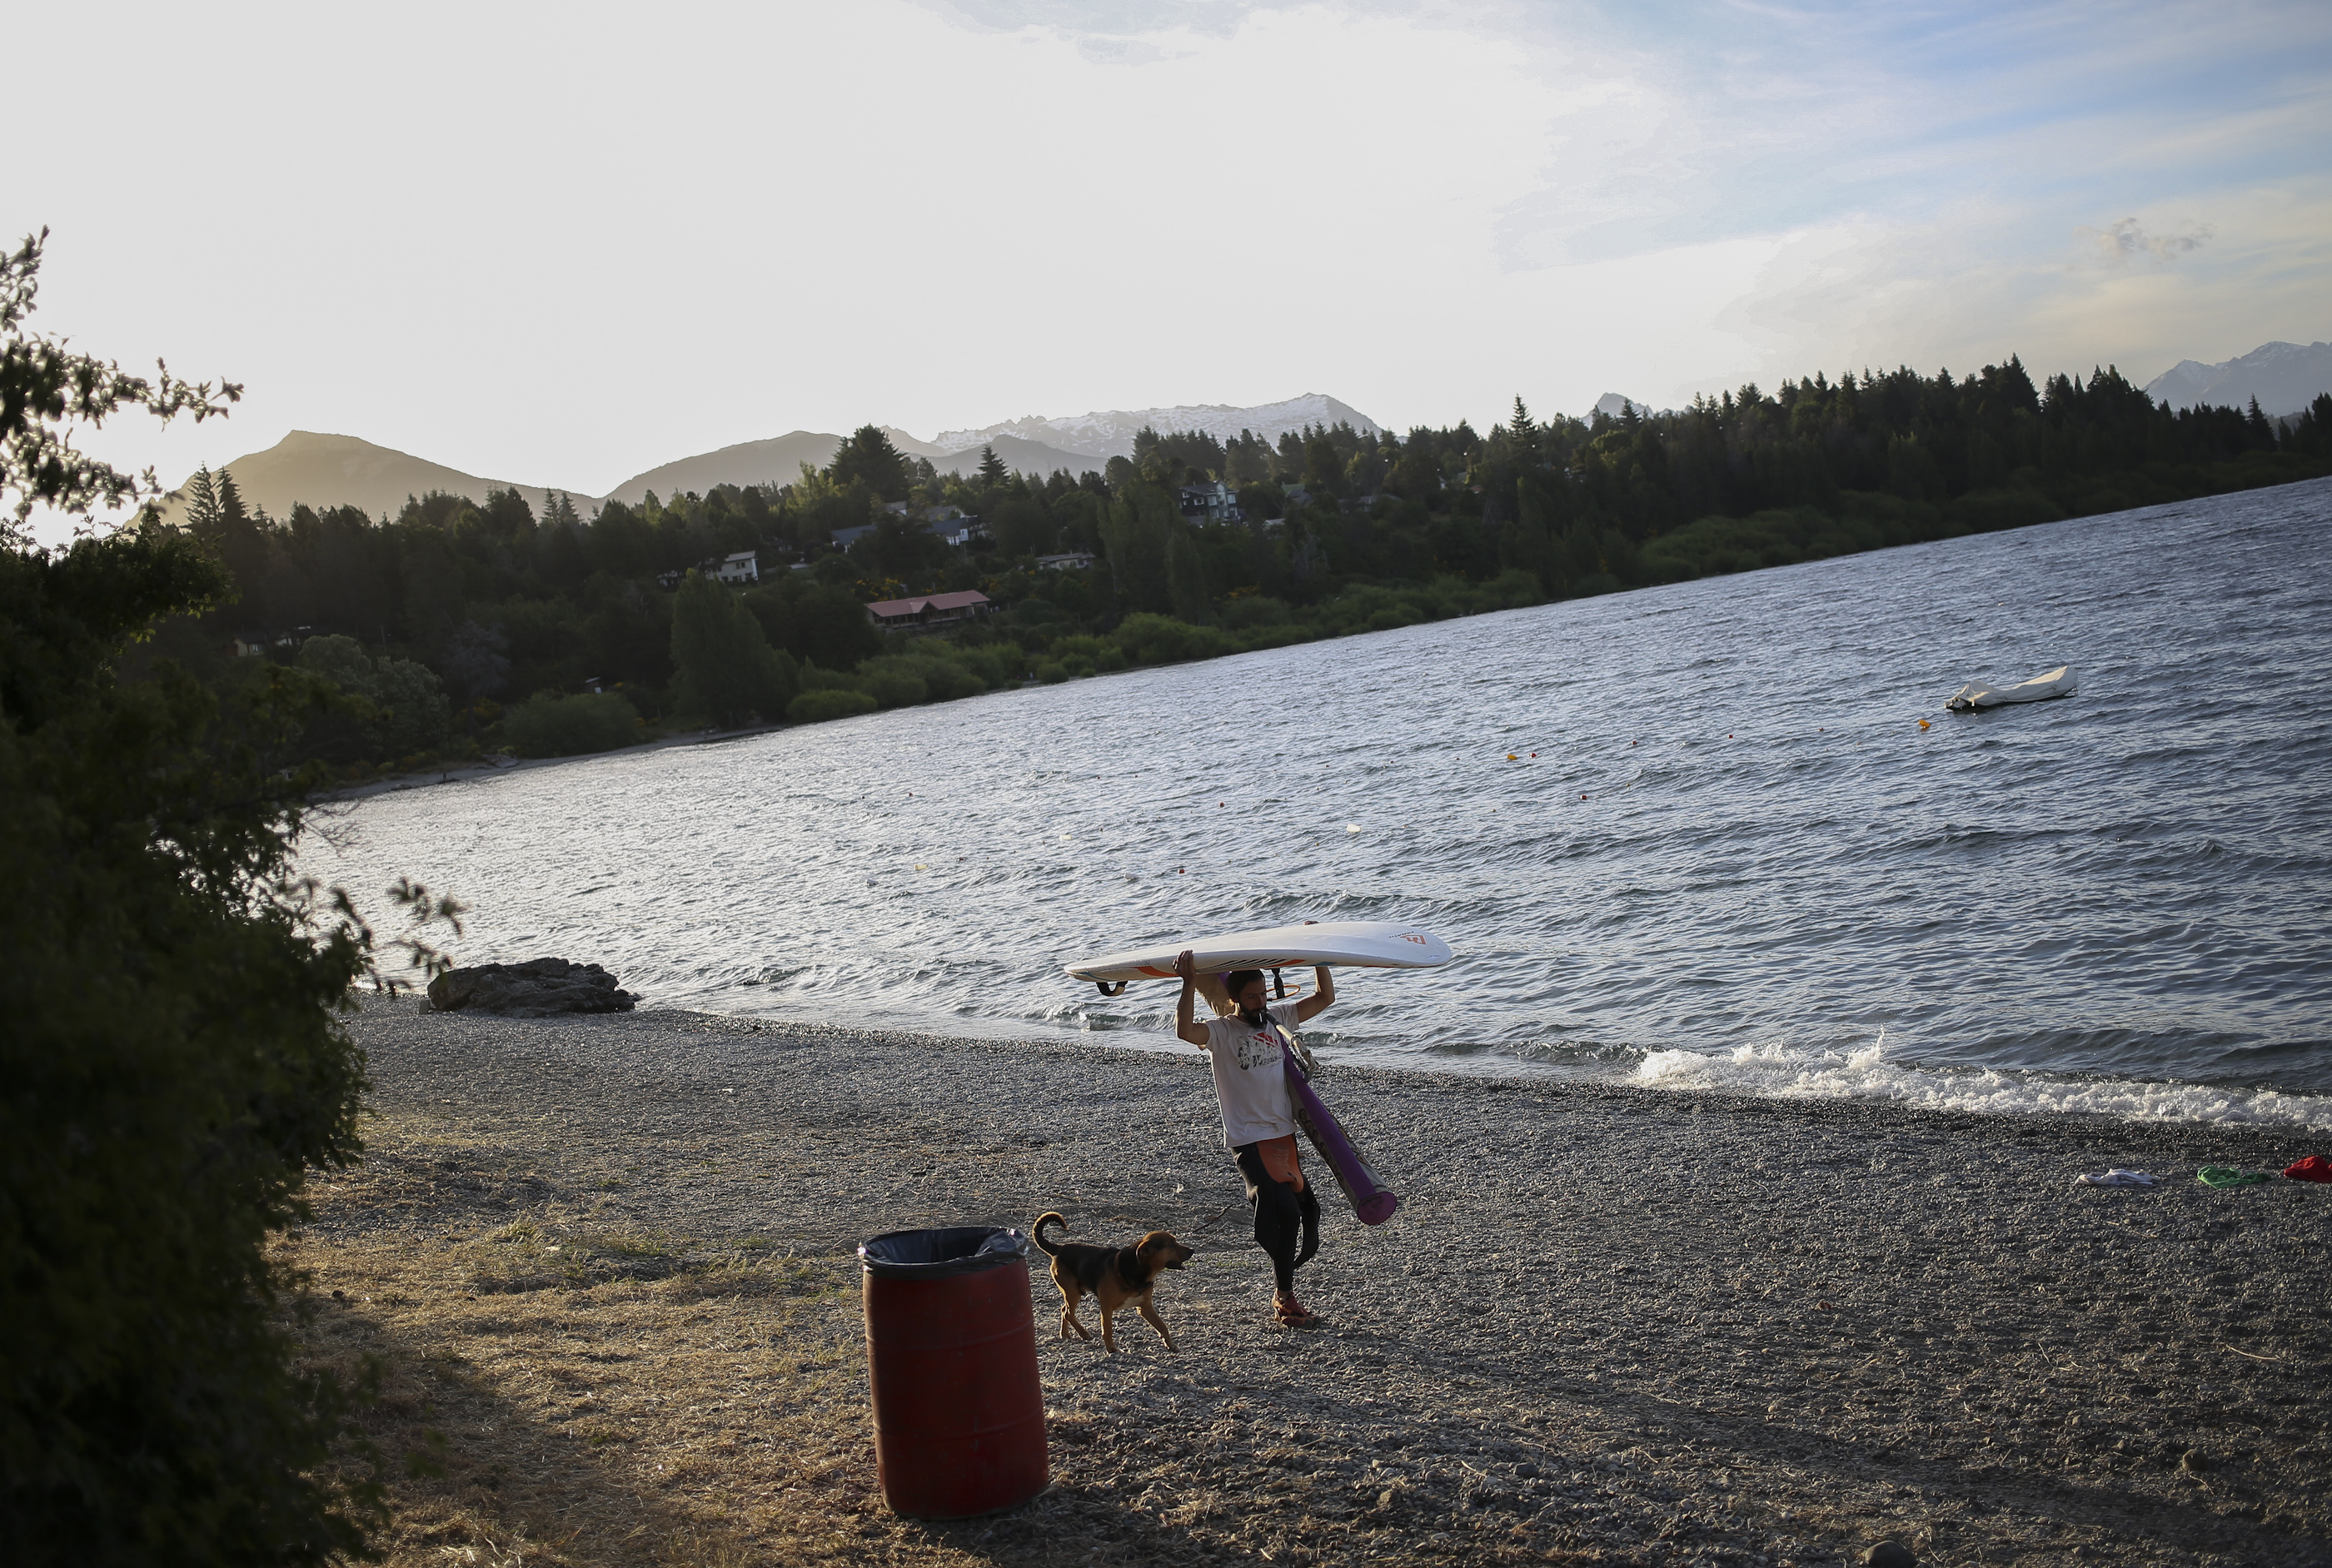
1280	1213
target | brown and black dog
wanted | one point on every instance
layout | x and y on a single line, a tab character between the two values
1114	1275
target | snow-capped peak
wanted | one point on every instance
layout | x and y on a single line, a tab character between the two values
1110	434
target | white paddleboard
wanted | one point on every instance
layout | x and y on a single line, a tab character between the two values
1341	943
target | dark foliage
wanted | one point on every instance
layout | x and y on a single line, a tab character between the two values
174	1060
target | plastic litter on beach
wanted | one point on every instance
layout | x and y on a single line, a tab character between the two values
2228	1176
2314	1168
2115	1178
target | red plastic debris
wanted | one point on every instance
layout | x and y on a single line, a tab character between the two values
2314	1168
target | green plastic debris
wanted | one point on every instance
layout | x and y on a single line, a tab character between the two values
2228	1176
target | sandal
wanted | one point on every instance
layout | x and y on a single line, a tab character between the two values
1291	1312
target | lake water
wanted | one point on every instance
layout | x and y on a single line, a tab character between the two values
1725	856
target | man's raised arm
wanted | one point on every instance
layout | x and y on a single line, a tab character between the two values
1186	1028
1322	995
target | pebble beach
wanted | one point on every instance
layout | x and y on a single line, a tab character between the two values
1608	1324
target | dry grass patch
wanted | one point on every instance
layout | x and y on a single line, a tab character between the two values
715	1416
712	1416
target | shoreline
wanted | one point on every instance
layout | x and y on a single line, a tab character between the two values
472	772
1609	1323
2305	1115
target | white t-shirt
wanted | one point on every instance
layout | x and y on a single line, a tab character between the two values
1251	1077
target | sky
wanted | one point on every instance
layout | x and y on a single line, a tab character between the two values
560	244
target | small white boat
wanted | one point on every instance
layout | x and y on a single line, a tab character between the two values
2056	682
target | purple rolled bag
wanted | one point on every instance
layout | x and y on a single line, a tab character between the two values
1371	1199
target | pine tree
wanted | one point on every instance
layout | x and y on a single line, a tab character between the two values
867	453
232	513
1134	533
1186	578
1323	469
201	504
992	468
723	665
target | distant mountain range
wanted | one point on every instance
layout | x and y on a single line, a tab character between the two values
2285	378
1019	456
343	471
324	470
1111	434
778	459
347	470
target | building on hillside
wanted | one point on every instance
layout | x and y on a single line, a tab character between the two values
930	612
1070	561
744	567
1213	502
895	508
844	537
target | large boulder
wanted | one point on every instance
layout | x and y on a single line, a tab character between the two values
537	989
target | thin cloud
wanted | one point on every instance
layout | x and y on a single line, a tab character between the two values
2125	240
1423	206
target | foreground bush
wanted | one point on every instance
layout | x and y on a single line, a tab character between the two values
174	1060
548	725
168	1083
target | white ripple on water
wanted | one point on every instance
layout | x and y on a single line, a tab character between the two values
1785	1072
1731	827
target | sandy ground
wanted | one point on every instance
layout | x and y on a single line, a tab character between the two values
606	1264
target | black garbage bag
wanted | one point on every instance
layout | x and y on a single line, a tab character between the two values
937	1254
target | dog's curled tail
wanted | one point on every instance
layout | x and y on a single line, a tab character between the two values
1037	1231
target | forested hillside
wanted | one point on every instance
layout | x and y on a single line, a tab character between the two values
475	626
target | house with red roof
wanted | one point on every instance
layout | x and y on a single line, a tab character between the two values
930	610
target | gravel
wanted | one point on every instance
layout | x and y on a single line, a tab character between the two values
1607	1324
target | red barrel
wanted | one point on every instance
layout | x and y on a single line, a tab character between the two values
951	1359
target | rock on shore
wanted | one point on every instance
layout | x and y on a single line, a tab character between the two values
538	988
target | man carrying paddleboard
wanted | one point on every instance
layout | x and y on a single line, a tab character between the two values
1259	1118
